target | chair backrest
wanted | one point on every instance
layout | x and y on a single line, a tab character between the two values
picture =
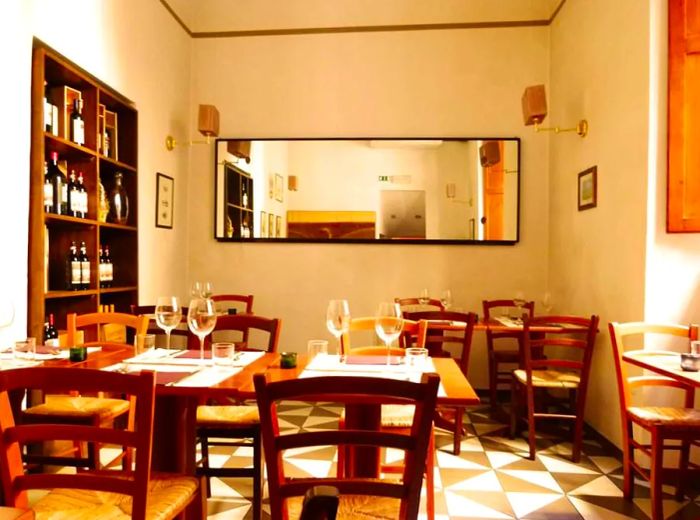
412	334
230	301
415	303
140	389
245	323
495	308
633	334
444	328
569	345
153	328
95	324
346	390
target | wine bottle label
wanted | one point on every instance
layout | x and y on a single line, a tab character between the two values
53	342
79	131
75	276
101	272
54	119
64	194
48	195
48	116
110	272
85	203
85	272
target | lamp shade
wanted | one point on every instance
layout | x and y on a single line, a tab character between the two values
534	105
240	149
489	153
208	121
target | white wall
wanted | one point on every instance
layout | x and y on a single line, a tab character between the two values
137	48
600	71
434	83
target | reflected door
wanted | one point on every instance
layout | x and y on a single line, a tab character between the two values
494	192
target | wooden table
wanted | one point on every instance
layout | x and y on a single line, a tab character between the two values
663	362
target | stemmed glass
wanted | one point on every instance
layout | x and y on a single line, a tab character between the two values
338	320
202	290
519	302
424	298
201	319
547	302
168	315
446	299
388	325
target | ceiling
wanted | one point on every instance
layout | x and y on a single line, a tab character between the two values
241	16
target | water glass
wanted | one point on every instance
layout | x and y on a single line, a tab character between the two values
25	349
315	347
695	347
416	359
222	353
144	343
424	298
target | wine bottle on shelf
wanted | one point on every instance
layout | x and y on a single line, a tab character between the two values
109	268
84	267
60	186
73	278
48	111
50	333
83	196
101	267
118	201
48	190
73	195
77	125
244	194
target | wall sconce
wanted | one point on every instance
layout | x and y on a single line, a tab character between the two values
535	110
208	126
292	183
451	190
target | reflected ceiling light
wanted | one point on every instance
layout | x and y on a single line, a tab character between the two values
535	110
208	126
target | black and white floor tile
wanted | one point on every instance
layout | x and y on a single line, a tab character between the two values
492	477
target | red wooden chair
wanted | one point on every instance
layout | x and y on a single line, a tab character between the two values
137	494
504	347
662	423
415	303
565	368
358	496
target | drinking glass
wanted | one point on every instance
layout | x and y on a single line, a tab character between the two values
315	347
201	319
547	302
388	324
424	298
416	358
519	301
168	315
222	353
144	343
338	320
202	290
196	290
446	299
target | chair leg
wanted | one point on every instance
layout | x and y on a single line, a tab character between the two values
457	434
531	421
683	469
342	453
430	477
257	476
627	460
493	382
578	429
514	405
204	441
657	512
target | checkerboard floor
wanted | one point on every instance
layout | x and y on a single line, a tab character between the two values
492	477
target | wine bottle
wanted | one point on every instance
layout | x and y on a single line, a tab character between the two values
244	195
50	333
60	186
73	196
73	281
77	125
48	190
109	268
48	111
118	201
84	267
101	267
83	196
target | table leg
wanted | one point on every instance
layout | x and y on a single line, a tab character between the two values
364	462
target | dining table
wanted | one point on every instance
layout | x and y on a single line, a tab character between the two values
663	362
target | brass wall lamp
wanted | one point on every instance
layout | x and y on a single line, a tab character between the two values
208	126
535	110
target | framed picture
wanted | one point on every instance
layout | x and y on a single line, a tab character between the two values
279	187
263	224
588	188
165	199
278	227
270	186
271	225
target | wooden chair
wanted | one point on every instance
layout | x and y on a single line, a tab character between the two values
181	332
134	493
503	356
662	423
396	500
230	301
437	323
89	410
320	503
236	423
415	303
559	370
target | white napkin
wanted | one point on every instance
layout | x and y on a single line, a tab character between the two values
208	376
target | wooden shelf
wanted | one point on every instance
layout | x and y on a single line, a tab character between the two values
117	164
66	148
66	219
109	290
123	227
70	294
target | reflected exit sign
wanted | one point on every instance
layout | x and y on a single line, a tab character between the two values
383	178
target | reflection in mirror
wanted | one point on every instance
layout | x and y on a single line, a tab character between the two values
390	190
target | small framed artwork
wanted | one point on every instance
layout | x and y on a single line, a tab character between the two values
271	225
588	188
279	187
165	199
263	224
271	186
278	227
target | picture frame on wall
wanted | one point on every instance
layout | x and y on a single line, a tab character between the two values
263	224
588	188
165	200
271	225
279	188
278	227
271	186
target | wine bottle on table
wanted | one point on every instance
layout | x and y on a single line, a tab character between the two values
77	125
83	196
109	268
50	333
73	278
84	267
60	186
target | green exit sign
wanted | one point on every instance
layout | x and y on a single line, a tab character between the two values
383	178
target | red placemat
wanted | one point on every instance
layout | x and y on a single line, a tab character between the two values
372	360
194	354
165	378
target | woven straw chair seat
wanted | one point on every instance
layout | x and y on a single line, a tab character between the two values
232	415
355	507
66	405
666	416
549	378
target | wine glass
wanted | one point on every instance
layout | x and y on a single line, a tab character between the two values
201	319
196	290
388	325
168	315
338	320
207	290
547	302
446	299
424	298
519	301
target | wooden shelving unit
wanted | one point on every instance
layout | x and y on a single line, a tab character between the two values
236	184
47	291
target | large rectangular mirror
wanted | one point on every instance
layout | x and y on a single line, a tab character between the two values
368	190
